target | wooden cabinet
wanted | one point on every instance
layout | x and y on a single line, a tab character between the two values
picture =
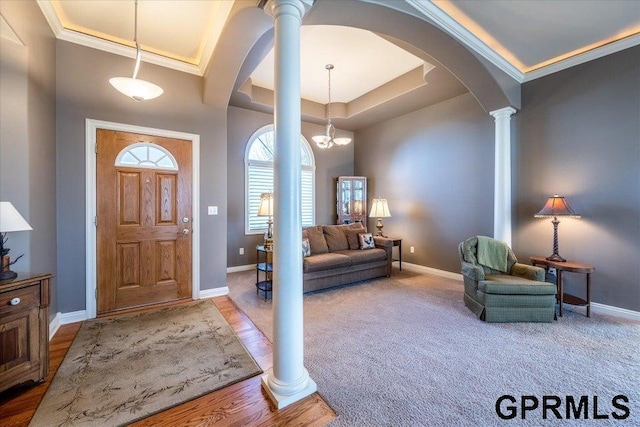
352	199
24	329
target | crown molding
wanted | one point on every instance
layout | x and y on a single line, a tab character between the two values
62	33
581	58
466	37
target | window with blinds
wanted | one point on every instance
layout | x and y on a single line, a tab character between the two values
259	179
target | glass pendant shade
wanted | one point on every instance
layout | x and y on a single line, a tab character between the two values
136	89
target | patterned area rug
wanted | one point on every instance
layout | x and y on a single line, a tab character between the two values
124	368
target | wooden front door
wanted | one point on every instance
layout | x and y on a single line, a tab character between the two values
144	192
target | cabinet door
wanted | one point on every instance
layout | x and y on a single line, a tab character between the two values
19	345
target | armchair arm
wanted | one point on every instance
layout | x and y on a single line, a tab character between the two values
471	271
528	272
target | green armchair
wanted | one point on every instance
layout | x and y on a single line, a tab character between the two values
518	294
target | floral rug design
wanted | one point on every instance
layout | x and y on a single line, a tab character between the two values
123	368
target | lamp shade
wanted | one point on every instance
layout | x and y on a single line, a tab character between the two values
136	89
379	209
266	204
11	220
556	206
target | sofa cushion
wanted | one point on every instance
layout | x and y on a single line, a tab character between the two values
352	234
335	237
325	261
366	241
306	249
316	239
362	257
510	285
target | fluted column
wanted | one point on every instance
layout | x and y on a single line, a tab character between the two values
289	380
502	179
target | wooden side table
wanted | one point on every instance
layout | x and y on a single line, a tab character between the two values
571	267
398	243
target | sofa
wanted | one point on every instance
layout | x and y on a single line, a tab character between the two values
517	294
336	256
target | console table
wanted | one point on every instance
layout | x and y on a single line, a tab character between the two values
265	268
571	267
24	329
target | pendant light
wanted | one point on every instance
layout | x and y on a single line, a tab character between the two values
134	88
327	140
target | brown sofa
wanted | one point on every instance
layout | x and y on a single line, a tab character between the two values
336	258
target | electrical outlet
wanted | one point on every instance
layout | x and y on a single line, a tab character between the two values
412	250
552	270
212	210
241	251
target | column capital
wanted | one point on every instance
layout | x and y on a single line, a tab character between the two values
503	112
297	8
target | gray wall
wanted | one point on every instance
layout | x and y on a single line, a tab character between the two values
435	168
578	135
27	136
84	92
330	164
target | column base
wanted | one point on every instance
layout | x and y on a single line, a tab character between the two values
285	400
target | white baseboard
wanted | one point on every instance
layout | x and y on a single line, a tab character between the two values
215	292
54	325
437	272
238	268
610	310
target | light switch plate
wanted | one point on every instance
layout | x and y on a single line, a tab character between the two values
212	210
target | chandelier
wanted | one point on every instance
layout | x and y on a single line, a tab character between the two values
328	140
134	88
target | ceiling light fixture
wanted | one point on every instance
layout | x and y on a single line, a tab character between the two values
327	140
134	88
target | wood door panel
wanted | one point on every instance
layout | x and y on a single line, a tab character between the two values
166	199
129	197
143	255
128	264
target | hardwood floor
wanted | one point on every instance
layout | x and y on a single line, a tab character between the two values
240	404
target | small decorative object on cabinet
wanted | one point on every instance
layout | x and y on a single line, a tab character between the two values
24	329
265	268
352	199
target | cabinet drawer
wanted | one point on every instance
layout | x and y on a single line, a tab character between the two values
29	298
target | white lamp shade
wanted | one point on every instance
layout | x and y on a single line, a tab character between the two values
136	89
341	141
11	220
266	204
379	209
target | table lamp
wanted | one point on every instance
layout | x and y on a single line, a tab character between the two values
379	209
556	206
10	220
266	209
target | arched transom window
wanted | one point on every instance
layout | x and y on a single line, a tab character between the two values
258	162
146	155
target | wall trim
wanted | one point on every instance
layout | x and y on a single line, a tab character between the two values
54	325
431	270
215	292
238	268
91	128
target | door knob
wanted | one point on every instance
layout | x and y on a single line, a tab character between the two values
185	231
185	220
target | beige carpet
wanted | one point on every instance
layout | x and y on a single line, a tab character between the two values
124	368
405	351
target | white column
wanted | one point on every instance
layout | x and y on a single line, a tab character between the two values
502	184
288	381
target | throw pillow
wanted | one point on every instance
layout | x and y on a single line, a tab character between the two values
316	239
353	236
306	248
366	241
